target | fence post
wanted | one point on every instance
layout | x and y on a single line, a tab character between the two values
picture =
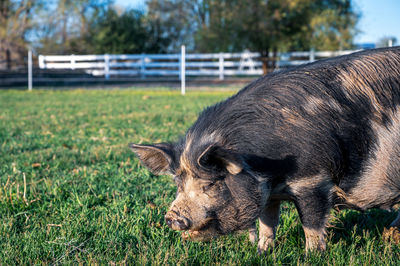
72	61
142	66
182	68
41	61
30	70
221	66
312	55
107	66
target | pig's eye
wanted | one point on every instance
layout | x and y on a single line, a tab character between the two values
208	186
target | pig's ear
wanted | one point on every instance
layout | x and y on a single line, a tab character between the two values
217	158
157	157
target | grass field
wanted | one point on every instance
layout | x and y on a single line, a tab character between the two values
72	192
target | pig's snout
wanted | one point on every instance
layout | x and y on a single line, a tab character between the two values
177	222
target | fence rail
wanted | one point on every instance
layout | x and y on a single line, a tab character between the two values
217	64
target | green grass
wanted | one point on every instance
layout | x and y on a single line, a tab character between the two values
72	192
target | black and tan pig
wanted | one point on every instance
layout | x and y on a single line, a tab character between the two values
319	135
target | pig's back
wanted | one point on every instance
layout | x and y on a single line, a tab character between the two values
337	115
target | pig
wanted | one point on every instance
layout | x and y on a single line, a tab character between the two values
320	135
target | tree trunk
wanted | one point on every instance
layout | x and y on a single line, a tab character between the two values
274	56
265	61
269	63
8	59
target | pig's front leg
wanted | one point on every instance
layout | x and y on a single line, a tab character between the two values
314	204
253	234
269	219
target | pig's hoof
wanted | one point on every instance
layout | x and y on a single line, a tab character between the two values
253	236
391	235
313	246
190	235
315	240
265	245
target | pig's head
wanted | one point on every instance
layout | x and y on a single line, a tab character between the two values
217	193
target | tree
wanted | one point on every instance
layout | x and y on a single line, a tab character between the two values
97	26
15	24
63	27
333	27
175	21
178	20
129	32
265	26
277	25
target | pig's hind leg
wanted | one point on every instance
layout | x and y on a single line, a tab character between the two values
396	222
392	235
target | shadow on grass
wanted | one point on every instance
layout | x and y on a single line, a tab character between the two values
351	224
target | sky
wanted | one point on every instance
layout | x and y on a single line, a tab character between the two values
379	18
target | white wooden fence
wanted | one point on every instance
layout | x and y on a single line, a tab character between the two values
220	64
143	65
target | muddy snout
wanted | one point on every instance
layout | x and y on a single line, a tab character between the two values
176	221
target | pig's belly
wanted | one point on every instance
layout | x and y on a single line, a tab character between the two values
378	185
